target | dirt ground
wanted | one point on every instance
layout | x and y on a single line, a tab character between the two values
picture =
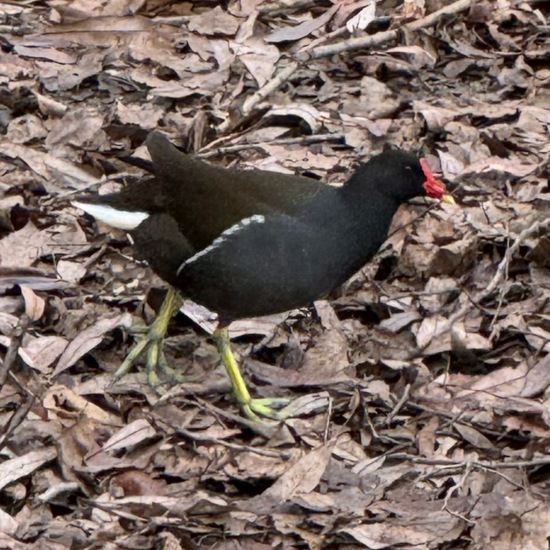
425	378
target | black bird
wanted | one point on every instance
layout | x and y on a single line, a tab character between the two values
251	243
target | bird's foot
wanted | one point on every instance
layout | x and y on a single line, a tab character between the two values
283	408
266	407
159	372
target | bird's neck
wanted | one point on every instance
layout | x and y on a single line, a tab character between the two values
367	199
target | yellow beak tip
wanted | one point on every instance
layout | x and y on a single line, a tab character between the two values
448	199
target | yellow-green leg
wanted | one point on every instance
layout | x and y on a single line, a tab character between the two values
253	408
152	344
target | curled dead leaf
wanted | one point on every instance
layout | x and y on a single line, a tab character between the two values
34	304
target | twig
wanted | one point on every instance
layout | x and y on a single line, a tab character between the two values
328	419
455	489
497	278
236	447
13	350
274	8
484	464
399	404
315	138
492	324
505	477
387	36
95	183
274	84
343	46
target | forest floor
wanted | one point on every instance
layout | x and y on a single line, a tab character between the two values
432	361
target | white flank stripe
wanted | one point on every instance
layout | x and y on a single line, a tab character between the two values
121	219
222	238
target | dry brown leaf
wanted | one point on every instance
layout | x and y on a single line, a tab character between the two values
301	478
88	339
34	304
109	71
61	402
215	22
426	529
21	466
303	29
362	19
41	352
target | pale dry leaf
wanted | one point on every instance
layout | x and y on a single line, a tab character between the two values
419	57
436	117
157	506
378	101
265	326
34	304
450	166
302	30
71	272
431	328
135	482
426	438
88	31
249	463
56	77
8	322
26	128
8	526
88	339
51	54
44	164
49	106
399	321
61	402
516	520
537	379
327	358
347	449
362	19
98	8
414	9
203	84
499	165
78	127
474	437
43	351
215	22
437	293
301	477
309	114
428	529
132	434
21	466
258	57
23	248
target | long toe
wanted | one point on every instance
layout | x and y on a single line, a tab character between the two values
283	408
159	372
268	407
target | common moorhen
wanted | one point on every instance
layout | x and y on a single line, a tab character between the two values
251	243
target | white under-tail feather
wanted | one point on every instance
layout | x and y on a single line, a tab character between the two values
121	219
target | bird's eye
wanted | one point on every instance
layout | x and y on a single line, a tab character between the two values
409	168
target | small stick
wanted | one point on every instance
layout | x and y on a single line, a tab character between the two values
497	277
343	46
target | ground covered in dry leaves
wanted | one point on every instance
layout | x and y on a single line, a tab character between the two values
433	360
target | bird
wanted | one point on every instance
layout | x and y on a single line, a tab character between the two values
248	243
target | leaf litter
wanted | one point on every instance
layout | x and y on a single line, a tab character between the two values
425	377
